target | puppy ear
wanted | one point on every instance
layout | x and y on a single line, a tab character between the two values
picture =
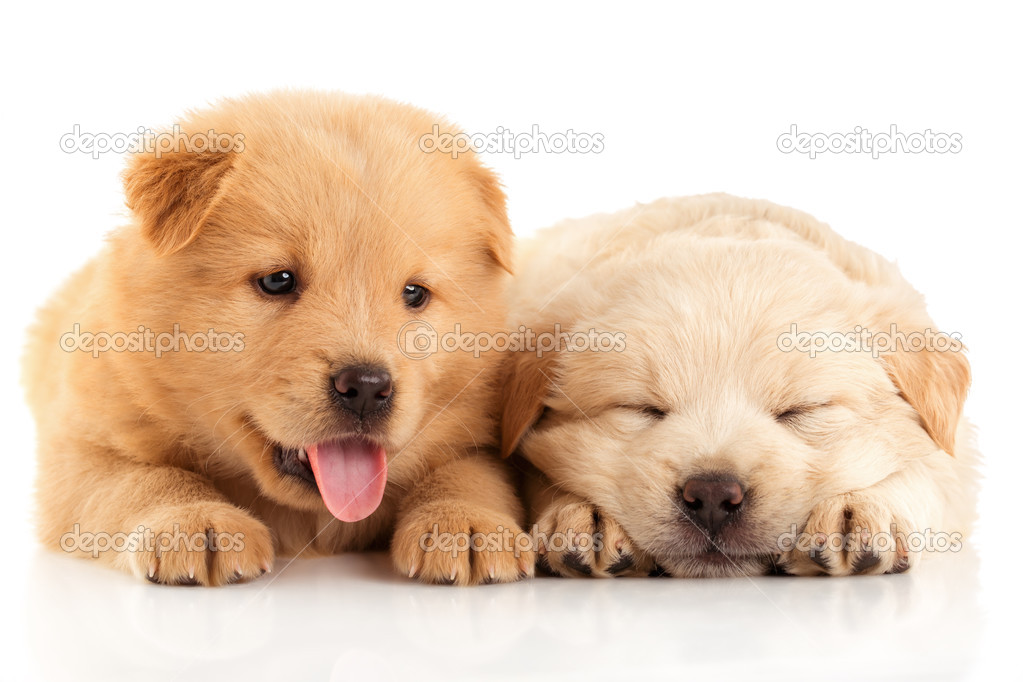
499	233
527	380
935	384
170	194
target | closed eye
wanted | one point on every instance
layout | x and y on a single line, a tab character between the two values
793	414
651	411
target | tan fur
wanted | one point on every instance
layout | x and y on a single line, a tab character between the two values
526	383
336	188
703	287
935	384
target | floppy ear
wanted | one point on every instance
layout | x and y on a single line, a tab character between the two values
499	233
935	384
526	383
170	194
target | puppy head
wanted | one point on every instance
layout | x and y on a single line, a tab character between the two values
307	251
704	438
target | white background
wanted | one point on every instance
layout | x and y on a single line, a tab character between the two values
688	100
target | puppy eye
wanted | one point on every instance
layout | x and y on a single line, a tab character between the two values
281	282
793	414
655	413
415	295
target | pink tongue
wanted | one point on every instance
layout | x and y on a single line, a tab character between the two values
351	475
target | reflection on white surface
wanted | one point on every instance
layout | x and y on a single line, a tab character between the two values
348	617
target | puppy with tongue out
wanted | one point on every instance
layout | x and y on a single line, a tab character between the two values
319	253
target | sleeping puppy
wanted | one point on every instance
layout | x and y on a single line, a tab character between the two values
720	439
224	382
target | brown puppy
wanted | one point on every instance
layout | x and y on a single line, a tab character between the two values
715	442
256	394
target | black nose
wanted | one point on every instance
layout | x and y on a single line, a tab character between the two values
363	390
712	502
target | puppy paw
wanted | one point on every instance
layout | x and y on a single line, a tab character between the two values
451	543
577	539
209	543
851	534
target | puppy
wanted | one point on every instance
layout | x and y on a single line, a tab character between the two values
715	441
275	272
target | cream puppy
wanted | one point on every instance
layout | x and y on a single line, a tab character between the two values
756	416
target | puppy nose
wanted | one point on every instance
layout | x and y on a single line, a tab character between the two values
363	390
712	501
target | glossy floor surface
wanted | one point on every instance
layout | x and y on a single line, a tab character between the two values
349	617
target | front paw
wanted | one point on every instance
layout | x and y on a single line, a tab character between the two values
851	534
577	539
454	543
205	543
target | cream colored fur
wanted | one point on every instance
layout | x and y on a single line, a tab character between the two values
703	287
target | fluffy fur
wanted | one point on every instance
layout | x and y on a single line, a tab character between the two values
336	189
842	443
